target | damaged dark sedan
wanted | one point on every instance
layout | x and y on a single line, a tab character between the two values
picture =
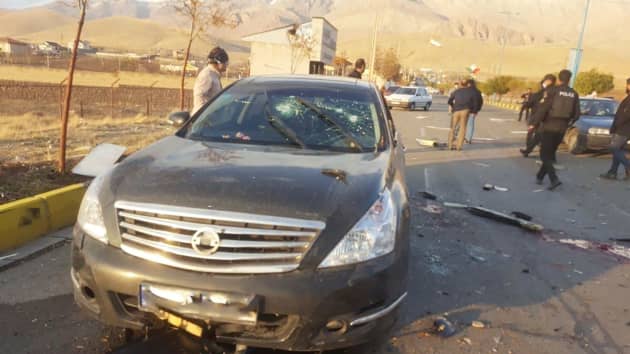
276	217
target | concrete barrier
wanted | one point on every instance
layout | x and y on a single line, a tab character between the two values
26	219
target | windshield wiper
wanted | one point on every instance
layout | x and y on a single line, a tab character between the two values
283	129
332	122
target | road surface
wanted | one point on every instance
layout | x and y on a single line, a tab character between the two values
533	293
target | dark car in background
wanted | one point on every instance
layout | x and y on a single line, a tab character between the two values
592	130
276	217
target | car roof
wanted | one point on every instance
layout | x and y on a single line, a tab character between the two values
308	80
605	99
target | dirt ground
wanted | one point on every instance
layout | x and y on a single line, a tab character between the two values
29	147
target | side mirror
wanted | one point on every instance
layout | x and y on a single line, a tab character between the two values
178	119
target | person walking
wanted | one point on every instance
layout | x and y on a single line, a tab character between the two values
208	82
359	69
525	105
461	102
557	112
535	100
620	131
470	130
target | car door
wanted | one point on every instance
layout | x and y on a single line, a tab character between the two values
421	97
418	97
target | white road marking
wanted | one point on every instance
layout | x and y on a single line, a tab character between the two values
427	184
422	117
501	120
519	132
437	128
484	139
15	254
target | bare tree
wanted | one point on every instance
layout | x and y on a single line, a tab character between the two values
82	6
201	14
302	45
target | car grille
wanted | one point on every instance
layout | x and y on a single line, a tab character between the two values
248	244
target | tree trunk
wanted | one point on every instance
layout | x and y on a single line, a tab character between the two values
68	96
186	56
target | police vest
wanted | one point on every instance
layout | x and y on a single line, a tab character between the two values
563	103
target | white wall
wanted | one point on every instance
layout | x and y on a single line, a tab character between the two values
267	58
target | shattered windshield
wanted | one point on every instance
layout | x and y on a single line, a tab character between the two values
598	108
308	118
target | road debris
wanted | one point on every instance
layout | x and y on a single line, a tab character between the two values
481	164
428	195
489	187
8	256
525	271
455	205
433	209
431	143
444	327
615	250
478	324
523	216
504	218
466	340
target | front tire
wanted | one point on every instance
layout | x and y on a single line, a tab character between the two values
412	106
427	106
575	142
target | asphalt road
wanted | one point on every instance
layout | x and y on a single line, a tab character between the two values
533	293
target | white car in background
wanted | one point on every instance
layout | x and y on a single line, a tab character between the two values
410	98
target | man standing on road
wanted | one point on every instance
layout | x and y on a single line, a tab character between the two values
462	102
470	131
620	131
359	69
557	112
525	105
208	83
535	100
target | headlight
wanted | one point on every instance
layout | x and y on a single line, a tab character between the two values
373	236
599	131
90	217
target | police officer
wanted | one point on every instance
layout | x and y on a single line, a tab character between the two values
535	100
557	112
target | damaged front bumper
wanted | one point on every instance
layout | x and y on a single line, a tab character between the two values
302	310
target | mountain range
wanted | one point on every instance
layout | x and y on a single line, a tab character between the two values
536	33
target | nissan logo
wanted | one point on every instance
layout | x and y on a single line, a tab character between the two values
206	242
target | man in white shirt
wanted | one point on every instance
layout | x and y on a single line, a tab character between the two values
208	83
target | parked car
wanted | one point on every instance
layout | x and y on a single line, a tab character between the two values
277	216
390	90
410	98
592	130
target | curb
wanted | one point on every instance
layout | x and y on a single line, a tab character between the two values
30	218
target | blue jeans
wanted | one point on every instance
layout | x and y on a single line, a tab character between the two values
470	130
618	149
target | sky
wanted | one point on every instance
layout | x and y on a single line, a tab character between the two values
19	4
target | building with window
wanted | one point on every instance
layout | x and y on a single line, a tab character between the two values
307	48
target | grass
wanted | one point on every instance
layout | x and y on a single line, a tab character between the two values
29	146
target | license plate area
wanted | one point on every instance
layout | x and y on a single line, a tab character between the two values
204	305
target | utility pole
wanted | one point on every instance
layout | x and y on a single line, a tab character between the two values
576	55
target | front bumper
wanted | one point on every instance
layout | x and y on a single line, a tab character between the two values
293	308
597	142
398	104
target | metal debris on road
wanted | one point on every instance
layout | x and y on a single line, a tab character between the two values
504	218
466	341
8	256
455	205
538	191
444	327
428	195
433	209
489	187
431	143
478	324
523	216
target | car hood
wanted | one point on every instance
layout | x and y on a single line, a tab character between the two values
278	181
596	122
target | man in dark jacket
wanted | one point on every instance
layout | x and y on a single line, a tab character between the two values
535	100
525	105
359	69
557	112
470	131
620	131
462	102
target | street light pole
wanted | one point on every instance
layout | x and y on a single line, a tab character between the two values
578	51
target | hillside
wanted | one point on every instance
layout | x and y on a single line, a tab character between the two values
131	34
17	23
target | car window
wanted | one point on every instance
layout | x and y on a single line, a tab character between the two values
406	91
330	119
598	108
